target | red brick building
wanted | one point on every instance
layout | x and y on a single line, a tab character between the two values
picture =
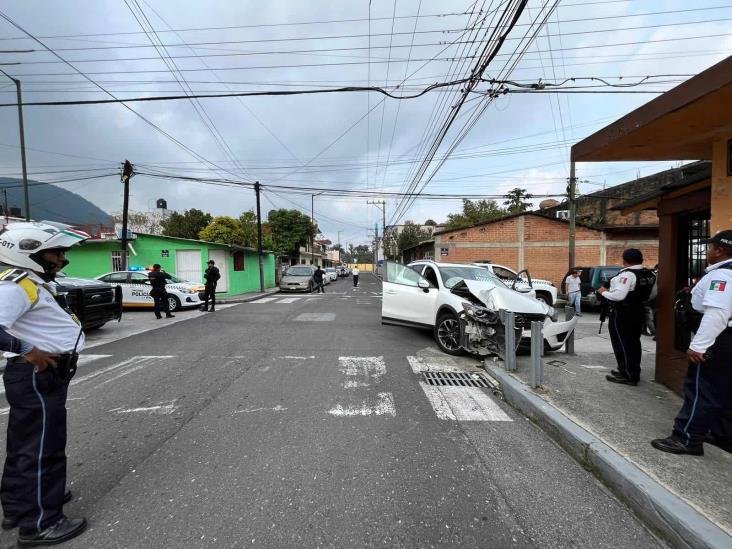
540	244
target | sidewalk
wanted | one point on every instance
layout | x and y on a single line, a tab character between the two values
225	298
623	420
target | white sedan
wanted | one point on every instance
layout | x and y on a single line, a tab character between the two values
136	290
439	296
544	290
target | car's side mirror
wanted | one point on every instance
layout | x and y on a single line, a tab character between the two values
424	285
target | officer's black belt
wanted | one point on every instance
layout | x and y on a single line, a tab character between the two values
65	364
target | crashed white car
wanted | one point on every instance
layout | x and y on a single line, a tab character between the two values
543	290
461	304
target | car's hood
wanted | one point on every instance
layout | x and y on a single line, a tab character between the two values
291	278
76	282
496	297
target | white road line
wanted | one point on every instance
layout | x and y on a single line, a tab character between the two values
293	357
363	366
421	364
122	364
164	409
384	406
264	300
463	404
288	300
593	367
278	408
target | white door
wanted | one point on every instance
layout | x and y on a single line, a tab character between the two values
403	300
221	259
188	265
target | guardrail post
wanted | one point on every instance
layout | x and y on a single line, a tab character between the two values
569	313
537	342
509	322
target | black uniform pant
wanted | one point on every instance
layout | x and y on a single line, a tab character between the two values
319	287
209	293
625	326
34	477
160	297
355	280
707	407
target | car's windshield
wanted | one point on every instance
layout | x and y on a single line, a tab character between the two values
176	279
453	275
330	269
299	271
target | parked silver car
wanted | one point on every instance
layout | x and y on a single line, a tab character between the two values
298	278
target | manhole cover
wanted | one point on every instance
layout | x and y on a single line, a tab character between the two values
556	363
455	379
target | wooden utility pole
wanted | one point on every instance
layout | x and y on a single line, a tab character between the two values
572	196
127	172
259	239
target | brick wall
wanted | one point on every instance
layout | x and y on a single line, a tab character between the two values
545	245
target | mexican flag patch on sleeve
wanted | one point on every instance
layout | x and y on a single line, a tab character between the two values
718	285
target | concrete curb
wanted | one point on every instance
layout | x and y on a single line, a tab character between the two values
663	511
246	299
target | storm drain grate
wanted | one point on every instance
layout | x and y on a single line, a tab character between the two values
455	379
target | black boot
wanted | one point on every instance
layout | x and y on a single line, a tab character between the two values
63	530
672	446
10	522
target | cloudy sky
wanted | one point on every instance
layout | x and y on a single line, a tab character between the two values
359	140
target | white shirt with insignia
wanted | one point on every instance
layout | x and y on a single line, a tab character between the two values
44	325
622	283
712	296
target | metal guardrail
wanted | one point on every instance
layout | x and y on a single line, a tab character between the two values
569	314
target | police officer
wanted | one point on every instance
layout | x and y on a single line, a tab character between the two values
212	276
158	278
43	339
706	415
629	290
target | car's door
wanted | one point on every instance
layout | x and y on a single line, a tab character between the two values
138	289
119	279
407	297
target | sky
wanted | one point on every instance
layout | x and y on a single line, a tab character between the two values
357	140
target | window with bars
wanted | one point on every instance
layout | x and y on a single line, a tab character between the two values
693	229
118	262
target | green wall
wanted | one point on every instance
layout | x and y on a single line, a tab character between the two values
91	259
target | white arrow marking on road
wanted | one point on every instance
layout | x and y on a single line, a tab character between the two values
463	404
165	409
384	406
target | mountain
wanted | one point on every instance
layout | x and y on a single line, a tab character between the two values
53	203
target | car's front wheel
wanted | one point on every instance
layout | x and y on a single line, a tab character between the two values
447	334
173	303
544	297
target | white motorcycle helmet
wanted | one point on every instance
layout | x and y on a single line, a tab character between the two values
22	244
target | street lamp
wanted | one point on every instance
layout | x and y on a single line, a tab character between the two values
22	143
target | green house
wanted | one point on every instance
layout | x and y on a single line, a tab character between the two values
182	257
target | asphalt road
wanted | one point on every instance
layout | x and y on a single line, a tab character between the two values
302	422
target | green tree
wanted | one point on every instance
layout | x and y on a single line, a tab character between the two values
248	222
411	235
290	229
224	230
517	200
475	211
186	225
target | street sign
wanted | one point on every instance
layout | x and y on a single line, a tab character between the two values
165	253
444	251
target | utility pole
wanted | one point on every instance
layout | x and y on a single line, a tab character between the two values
127	172
312	235
22	144
572	195
340	250
381	204
259	239
5	207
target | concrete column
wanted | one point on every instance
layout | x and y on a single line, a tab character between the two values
721	186
521	238
438	244
603	248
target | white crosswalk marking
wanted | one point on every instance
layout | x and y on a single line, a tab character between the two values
382	406
288	300
362	372
463	404
364	367
264	300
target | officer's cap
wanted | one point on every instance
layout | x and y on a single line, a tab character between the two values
722	238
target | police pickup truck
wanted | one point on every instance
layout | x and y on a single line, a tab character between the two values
93	302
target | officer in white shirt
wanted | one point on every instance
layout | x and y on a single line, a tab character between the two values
706	415
355	274
629	290
42	341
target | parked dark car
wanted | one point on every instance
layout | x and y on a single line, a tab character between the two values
93	302
591	279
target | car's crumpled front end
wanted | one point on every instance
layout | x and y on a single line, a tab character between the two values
481	324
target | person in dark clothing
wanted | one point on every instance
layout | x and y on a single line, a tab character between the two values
212	276
629	290
158	278
318	276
